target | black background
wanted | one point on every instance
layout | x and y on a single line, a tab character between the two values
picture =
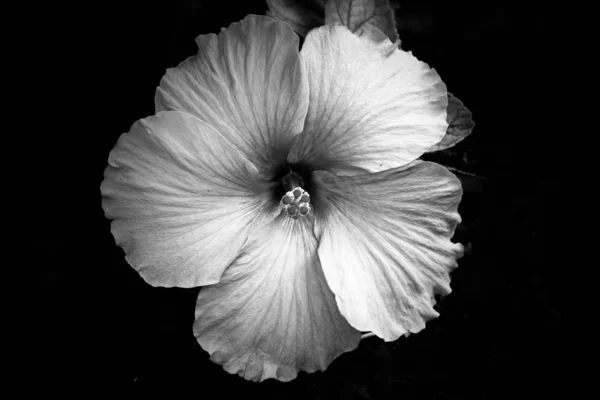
95	67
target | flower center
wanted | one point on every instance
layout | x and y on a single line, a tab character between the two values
296	201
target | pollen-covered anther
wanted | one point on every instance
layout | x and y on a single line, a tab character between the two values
296	203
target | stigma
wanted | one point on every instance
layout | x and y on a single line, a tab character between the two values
296	203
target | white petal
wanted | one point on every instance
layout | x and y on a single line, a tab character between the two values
384	244
371	106
272	314
181	199
247	82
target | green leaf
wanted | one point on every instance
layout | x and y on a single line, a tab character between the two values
460	124
301	15
371	17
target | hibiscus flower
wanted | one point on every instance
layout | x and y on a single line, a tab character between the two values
288	184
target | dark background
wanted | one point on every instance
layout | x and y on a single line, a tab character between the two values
95	67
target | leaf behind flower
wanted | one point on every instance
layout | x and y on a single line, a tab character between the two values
460	124
301	15
363	16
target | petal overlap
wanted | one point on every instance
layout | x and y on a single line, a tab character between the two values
181	199
372	106
246	82
272	314
384	244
